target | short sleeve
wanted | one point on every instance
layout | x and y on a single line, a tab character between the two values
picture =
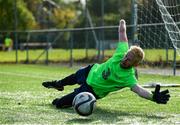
121	49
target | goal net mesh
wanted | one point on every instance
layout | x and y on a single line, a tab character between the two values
170	12
159	24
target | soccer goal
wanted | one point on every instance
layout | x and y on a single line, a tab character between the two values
170	12
159	24
158	27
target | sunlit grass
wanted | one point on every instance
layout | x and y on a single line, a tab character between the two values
24	101
58	55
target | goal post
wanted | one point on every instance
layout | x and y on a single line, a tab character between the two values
170	12
158	27
156	19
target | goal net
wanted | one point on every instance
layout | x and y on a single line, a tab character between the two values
159	24
170	12
158	31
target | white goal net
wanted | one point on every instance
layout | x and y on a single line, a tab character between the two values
159	24
170	12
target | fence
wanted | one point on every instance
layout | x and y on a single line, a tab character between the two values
45	41
95	44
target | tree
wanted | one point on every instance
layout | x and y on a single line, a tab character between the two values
113	11
31	13
23	14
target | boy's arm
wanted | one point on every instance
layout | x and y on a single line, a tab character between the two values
156	96
142	92
122	31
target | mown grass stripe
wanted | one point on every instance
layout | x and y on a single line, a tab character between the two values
26	75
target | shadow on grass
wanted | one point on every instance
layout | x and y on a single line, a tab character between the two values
109	116
83	120
101	115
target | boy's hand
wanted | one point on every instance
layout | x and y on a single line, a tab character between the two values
122	26
122	31
160	97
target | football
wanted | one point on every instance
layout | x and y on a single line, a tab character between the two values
84	103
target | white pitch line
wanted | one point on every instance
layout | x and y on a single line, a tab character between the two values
25	75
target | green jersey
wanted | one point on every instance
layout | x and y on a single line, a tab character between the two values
109	76
8	42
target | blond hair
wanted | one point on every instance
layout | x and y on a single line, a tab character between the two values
138	53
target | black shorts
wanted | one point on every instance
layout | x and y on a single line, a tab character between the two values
81	76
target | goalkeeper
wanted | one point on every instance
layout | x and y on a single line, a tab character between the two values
116	73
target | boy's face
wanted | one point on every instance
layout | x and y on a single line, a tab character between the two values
128	60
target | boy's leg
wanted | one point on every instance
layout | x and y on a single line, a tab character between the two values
59	84
82	74
79	77
65	101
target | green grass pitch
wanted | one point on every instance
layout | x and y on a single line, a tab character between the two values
151	55
24	101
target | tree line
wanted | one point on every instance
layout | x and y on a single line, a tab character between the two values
39	14
60	14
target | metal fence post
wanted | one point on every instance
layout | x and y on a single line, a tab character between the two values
86	32
174	62
15	29
134	21
167	47
47	49
71	49
102	24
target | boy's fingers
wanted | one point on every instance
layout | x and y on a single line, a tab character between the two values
122	26
165	92
157	89
122	21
